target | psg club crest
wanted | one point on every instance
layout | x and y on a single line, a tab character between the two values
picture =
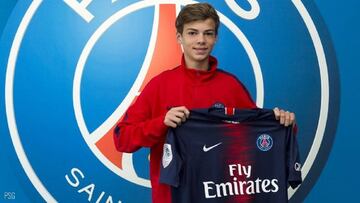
73	67
264	142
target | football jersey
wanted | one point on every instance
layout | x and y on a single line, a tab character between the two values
237	156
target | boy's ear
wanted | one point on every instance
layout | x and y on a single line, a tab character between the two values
178	38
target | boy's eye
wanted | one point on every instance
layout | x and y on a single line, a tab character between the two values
209	33
192	33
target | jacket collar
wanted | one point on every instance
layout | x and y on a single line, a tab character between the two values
199	76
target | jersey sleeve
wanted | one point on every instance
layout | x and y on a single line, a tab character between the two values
171	161
293	160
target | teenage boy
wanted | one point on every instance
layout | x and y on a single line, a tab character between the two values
167	98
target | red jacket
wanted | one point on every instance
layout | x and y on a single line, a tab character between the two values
143	124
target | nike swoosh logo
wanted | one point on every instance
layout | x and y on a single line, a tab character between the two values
206	149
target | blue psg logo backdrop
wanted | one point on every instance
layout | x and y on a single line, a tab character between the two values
71	68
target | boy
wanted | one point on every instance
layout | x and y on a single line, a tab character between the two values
196	83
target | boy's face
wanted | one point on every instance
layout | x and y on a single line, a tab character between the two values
198	39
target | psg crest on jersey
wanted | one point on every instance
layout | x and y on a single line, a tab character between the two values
264	142
72	68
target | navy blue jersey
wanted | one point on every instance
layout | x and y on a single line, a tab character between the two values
245	157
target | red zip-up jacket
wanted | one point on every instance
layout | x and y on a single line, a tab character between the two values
143	124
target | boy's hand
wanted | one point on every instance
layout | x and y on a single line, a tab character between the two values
286	118
175	116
